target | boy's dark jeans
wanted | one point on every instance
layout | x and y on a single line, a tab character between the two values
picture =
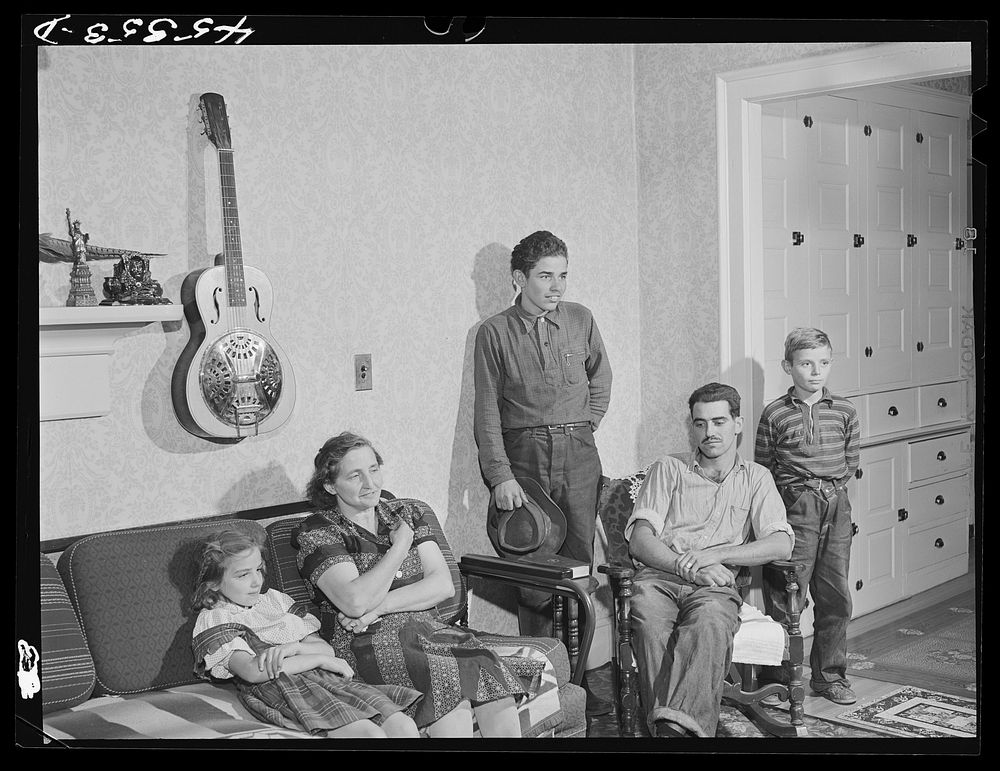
821	519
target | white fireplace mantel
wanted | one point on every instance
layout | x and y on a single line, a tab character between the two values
75	346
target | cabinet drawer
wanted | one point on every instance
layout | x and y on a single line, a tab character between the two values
937	501
891	411
941	403
940	455
936	544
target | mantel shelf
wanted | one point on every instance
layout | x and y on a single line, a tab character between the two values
75	346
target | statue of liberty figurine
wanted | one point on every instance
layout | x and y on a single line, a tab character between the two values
81	293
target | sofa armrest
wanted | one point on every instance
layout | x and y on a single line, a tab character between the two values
516	574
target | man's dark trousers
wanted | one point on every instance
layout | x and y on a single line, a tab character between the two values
565	462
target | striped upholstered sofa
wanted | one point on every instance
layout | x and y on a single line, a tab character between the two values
115	645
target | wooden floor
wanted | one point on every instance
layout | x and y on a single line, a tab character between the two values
882	620
889	615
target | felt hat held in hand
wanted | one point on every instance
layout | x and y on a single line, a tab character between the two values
539	525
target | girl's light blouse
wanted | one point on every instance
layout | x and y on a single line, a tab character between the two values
269	619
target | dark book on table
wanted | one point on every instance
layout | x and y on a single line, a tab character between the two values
543	565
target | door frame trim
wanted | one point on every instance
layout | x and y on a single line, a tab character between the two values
739	94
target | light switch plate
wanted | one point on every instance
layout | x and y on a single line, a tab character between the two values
363	372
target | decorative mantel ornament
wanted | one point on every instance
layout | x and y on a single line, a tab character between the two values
131	284
81	293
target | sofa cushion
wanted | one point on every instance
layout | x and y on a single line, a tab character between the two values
282	568
197	711
66	668
131	590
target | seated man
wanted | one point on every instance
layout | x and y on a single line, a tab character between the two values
695	522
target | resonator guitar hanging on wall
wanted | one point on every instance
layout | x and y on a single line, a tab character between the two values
232	379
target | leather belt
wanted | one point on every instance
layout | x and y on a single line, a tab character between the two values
562	428
820	485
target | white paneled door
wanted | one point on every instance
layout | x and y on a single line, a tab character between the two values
888	158
832	194
937	274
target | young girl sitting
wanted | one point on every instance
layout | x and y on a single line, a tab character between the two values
285	673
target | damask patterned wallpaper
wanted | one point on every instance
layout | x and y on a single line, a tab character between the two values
958	85
676	147
381	190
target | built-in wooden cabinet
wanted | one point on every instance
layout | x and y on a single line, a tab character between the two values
862	219
862	236
911	517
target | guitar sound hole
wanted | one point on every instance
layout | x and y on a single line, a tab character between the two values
215	302
256	304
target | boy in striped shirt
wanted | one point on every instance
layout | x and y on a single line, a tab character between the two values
810	441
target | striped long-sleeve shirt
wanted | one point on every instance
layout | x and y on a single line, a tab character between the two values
800	442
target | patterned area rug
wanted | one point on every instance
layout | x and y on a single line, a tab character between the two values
733	724
936	648
917	713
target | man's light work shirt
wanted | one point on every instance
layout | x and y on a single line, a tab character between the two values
688	511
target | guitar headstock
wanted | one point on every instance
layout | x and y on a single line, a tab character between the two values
213	115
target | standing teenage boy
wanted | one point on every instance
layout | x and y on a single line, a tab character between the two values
543	384
810	440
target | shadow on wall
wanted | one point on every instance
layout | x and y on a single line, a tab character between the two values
750	408
259	487
745	443
158	412
495	605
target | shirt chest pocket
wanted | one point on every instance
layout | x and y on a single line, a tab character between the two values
574	366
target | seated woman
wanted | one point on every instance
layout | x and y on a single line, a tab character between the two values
377	572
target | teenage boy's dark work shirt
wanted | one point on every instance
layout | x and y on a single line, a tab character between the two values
536	371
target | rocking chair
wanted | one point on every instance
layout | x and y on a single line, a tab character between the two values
614	509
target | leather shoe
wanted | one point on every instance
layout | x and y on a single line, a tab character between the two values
838	693
664	728
596	705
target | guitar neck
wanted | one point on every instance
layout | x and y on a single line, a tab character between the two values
232	250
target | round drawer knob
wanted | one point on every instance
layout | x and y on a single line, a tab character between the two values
942	402
942	456
893	412
939	500
939	543
859	584
902	515
854	528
